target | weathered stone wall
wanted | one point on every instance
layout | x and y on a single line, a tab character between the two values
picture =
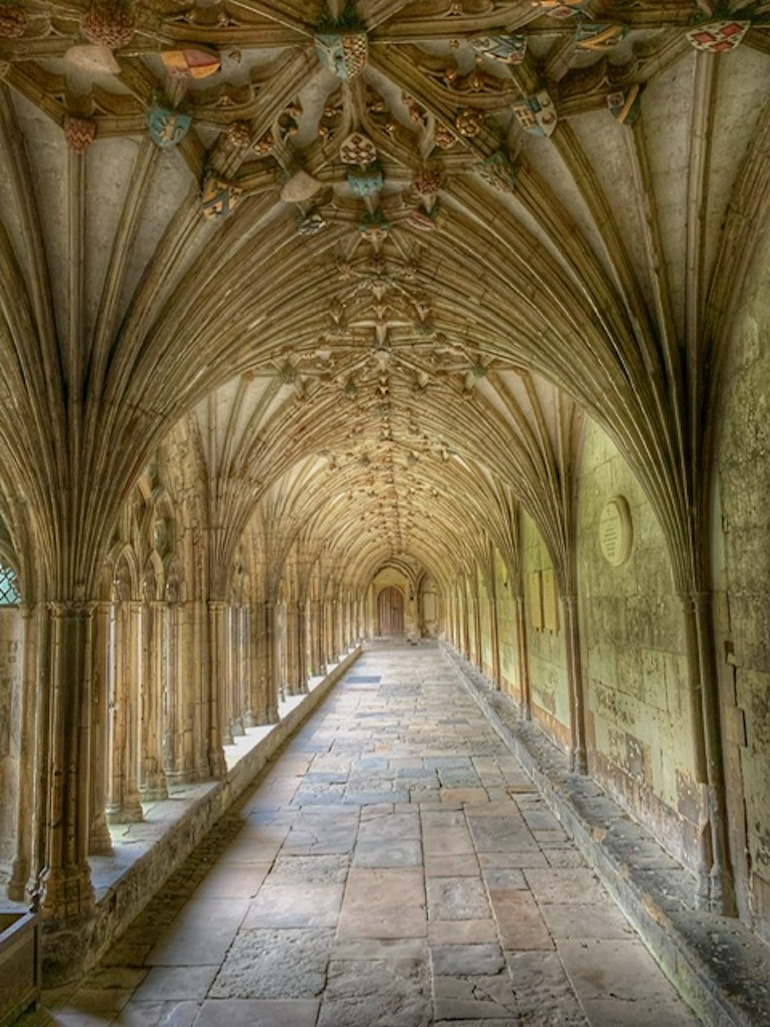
546	651
10	694
640	744
743	591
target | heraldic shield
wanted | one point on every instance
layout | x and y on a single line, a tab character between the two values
218	197
506	49
345	53
555	9
719	36
536	113
167	127
190	63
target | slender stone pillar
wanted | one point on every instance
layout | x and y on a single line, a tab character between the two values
219	725
291	680
273	662
575	685
248	658
525	688
123	801
301	648
100	840
174	729
716	886
22	865
67	891
235	671
153	779
317	631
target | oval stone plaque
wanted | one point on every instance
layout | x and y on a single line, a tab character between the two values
616	534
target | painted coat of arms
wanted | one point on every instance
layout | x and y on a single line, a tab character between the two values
218	197
554	9
343	53
505	49
167	127
536	114
719	36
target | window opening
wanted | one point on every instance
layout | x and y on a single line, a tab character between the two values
9	587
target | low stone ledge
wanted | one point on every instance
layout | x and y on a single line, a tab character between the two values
125	882
719	967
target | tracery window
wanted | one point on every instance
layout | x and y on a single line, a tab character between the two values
9	586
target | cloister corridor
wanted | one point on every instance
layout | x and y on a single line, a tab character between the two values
394	865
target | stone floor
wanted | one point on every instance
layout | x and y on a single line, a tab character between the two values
393	866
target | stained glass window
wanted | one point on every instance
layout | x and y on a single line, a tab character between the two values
9	587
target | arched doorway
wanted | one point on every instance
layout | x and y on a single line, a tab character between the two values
390	607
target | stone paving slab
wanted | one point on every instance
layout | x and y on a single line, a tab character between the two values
393	867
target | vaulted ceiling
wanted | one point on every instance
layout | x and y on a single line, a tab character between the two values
382	257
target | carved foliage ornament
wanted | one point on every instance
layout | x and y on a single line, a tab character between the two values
498	171
469	122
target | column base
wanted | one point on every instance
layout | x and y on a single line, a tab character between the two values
100	839
155	789
129	812
67	893
17	884
217	764
65	945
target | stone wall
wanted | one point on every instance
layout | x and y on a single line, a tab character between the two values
546	651
640	743
743	592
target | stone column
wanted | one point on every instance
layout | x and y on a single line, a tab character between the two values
22	865
235	671
174	733
219	724
292	649
317	641
525	689
716	887
153	779
123	802
575	685
258	667
301	648
100	840
247	664
272	661
66	880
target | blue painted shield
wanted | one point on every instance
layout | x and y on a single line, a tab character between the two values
167	127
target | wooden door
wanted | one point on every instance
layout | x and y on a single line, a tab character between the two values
391	612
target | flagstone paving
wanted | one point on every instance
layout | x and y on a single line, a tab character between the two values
393	866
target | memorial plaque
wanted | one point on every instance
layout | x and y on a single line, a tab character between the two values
616	531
